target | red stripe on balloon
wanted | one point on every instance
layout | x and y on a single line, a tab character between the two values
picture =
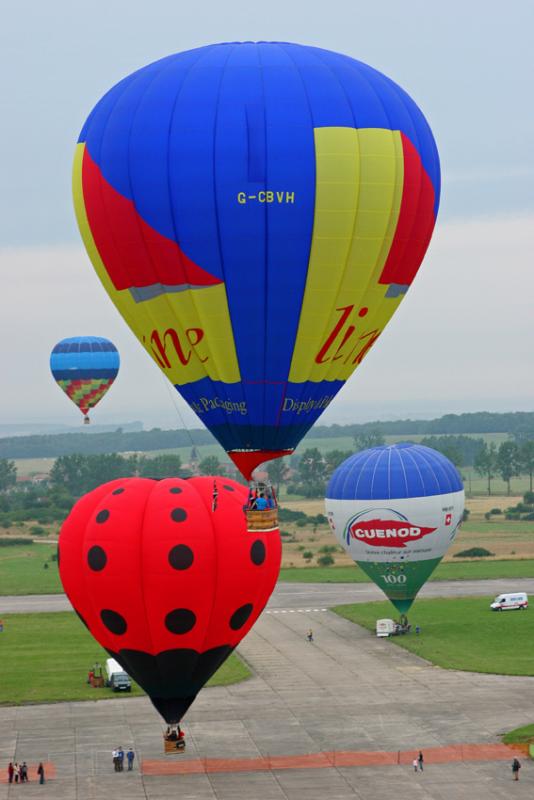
134	253
416	221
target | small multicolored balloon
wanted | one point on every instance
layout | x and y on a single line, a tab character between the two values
85	367
396	509
167	580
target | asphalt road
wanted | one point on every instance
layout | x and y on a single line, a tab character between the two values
307	595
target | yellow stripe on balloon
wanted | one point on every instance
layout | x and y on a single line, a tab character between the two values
359	183
165	325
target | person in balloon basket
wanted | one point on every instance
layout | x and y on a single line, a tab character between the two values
516	766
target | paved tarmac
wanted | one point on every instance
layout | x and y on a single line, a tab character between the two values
348	691
307	595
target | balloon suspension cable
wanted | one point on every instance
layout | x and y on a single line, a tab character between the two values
172	395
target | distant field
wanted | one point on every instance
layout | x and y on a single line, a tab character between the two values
46	658
460	633
448	571
22	570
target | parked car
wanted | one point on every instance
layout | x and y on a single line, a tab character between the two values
510	602
116	678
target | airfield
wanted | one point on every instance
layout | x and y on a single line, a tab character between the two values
338	718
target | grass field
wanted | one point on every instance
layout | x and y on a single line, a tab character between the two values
520	735
460	634
448	571
46	658
22	570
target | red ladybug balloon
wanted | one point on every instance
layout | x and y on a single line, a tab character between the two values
165	583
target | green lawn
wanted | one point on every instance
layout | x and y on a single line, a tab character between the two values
460	633
22	570
46	658
519	735
450	571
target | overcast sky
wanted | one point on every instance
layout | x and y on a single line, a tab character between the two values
463	338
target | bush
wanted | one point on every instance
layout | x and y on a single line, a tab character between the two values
528	516
325	561
320	519
300	548
528	497
36	530
308	555
283	534
487	515
328	548
465	515
474	552
496	511
7	541
301	523
512	515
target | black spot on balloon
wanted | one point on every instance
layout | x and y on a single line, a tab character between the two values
102	516
181	556
113	621
228	488
240	616
257	552
117	491
180	620
178	514
82	619
175	490
97	558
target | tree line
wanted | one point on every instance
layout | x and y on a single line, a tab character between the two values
519	425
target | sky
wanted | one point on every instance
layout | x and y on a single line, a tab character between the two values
463	338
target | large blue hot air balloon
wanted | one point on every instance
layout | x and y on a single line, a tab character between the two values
257	212
85	367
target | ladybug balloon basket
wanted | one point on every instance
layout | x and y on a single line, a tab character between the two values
173	740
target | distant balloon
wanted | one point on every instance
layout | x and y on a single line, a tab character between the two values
85	367
256	212
396	509
167	584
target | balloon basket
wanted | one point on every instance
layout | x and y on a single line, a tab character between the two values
262	520
173	747
86	420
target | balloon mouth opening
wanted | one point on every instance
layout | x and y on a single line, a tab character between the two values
248	460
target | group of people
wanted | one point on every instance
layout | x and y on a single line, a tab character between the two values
261	498
118	759
18	773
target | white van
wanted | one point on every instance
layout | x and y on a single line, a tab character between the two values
116	678
385	627
510	602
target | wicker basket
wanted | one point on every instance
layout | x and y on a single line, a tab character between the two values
262	520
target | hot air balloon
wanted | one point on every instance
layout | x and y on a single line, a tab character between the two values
85	367
396	509
167	578
256	212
